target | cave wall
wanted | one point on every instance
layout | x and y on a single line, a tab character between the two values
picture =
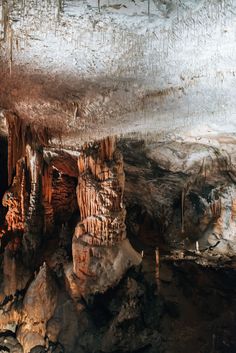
185	189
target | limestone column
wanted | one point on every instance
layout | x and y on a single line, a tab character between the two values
101	251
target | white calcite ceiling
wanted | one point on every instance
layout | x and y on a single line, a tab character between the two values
120	70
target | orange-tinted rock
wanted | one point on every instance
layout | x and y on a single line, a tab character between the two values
101	252
42	184
15	199
23	199
100	194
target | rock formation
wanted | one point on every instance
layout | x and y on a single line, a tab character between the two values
64	240
43	197
37	308
101	252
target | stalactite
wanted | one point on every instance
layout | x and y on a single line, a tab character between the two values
23	194
215	207
233	210
47	198
10	46
15	199
182	210
5	17
25	143
19	136
15	144
47	183
157	258
9	157
34	221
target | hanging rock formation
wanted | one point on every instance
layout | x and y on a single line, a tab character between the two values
15	199
38	191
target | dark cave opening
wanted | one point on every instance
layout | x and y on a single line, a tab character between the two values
59	194
144	230
65	212
64	199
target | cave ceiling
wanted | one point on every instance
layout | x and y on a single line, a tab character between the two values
87	74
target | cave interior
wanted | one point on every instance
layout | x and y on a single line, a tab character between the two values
118	176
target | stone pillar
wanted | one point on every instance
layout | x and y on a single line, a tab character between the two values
101	251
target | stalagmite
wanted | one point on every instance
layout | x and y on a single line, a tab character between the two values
101	252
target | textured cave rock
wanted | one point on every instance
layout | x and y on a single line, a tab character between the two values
16	275
101	252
